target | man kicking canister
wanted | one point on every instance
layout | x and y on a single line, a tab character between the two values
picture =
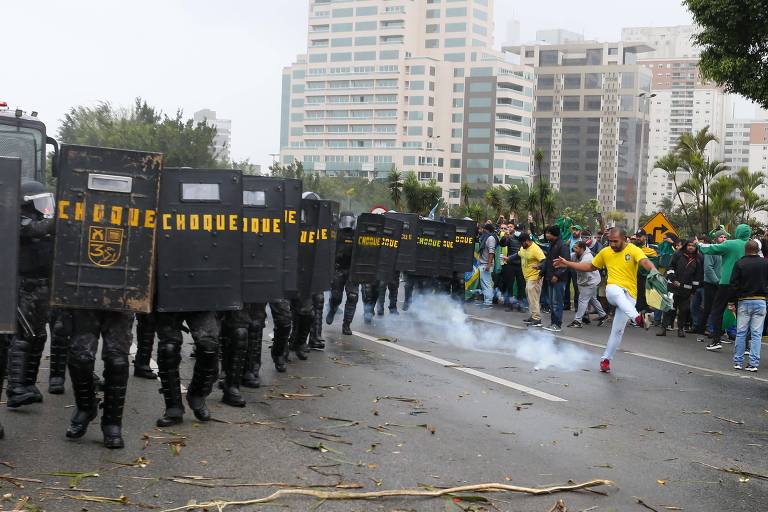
621	260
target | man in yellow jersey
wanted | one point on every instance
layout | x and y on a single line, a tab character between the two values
531	257
622	261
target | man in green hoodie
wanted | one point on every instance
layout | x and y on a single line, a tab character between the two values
730	251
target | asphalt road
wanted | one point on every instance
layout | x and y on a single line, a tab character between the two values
431	399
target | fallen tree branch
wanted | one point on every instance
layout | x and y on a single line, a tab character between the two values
331	495
735	471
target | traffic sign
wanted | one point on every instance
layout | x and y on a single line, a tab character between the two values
658	227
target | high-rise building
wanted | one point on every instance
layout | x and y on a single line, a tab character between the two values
513	32
558	36
758	148
736	143
223	140
674	42
411	84
590	122
683	103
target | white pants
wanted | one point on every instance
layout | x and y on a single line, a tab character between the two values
625	310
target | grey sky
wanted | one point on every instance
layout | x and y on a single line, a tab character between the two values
225	55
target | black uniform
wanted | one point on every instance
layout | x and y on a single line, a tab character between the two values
205	330
281	316
393	287
234	345
35	263
341	283
61	334
146	327
316	341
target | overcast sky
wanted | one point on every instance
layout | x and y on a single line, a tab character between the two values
225	55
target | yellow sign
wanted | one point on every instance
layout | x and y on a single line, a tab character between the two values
657	228
104	245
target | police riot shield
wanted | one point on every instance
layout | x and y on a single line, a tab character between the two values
325	256
429	242
200	239
464	244
309	221
263	238
445	262
292	205
374	255
406	251
10	182
105	229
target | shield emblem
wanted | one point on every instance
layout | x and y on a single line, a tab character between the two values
104	245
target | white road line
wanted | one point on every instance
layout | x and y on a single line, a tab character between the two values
470	371
638	354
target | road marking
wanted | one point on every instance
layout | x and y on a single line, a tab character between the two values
470	371
623	351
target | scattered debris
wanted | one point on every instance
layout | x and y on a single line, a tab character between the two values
74	477
644	504
729	420
399	399
734	470
696	412
19	481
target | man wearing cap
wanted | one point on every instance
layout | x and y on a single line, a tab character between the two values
486	259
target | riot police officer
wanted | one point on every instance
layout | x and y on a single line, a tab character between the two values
35	260
61	334
393	287
146	326
234	346
316	341
341	283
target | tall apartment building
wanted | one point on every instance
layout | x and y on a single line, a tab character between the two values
558	36
736	143
223	141
758	148
412	84
590	121
684	103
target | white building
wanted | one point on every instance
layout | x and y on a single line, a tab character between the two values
223	141
386	83
667	42
736	143
558	36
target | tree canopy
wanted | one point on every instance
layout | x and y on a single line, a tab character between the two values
734	37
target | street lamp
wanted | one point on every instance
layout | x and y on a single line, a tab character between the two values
644	101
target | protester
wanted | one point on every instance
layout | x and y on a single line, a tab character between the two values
685	275
622	261
486	259
570	278
640	239
587	283
555	277
731	251
531	258
712	264
749	284
512	270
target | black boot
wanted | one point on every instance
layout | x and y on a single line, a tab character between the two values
168	360
116	371
205	374
316	341
252	359
234	363
299	342
17	392
349	315
279	351
141	367
331	313
33	365
81	374
58	364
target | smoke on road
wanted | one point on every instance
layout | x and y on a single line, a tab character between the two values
440	320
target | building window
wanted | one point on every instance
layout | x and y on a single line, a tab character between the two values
342	13
572	81
546	82
455	42
571	103
341	27
433	28
592	103
548	57
366	11
432	43
479	102
478	148
479	117
479	86
479	133
365	25
544	103
454	57
455	27
593	80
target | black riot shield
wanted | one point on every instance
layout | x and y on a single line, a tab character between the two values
199	247
309	221
105	229
445	263
264	238
374	255
327	222
429	242
406	251
292	205
464	244
10	181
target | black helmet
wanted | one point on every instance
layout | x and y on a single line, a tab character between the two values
347	220
34	197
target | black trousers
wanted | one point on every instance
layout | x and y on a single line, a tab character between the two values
682	306
710	290
719	305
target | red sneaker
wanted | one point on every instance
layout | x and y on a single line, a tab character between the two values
638	321
605	365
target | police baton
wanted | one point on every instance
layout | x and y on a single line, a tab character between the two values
25	325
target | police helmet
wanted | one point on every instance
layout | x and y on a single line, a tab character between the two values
310	195
34	197
347	220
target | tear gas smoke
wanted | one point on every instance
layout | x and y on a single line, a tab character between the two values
440	319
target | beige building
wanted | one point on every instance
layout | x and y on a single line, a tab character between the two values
590	120
410	84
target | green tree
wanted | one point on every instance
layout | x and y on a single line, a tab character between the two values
672	164
466	193
747	183
538	157
691	148
395	185
420	197
184	143
734	37
513	197
493	200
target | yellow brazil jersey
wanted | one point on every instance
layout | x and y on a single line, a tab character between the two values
530	258
622	266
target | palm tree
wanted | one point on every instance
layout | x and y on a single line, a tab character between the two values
514	199
466	193
666	205
395	185
538	157
691	148
690	144
671	164
492	198
747	183
722	200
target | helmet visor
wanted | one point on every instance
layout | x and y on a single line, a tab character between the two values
347	222
43	203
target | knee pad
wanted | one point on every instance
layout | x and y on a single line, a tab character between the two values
81	357
353	296
169	353
115	360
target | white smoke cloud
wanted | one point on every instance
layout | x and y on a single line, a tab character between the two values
439	319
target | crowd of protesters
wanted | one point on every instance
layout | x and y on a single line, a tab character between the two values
714	286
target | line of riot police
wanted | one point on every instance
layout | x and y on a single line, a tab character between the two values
198	251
